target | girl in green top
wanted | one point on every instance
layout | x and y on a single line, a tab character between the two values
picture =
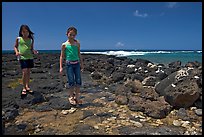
24	51
74	65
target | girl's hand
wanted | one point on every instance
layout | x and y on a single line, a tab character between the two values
61	70
35	51
82	68
18	54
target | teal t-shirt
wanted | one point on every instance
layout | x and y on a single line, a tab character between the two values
71	52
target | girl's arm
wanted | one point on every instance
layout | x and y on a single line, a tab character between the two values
32	47
16	47
62	57
80	57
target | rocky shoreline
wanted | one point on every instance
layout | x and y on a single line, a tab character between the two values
120	96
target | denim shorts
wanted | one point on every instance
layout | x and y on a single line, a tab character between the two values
73	74
28	63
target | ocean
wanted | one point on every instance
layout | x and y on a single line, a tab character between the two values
155	56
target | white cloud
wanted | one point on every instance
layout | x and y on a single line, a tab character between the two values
172	4
137	14
119	44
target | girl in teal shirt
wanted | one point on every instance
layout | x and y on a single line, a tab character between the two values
71	51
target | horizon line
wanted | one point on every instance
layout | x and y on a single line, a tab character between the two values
124	49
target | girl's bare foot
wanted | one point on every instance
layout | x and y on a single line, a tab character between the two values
23	93
72	100
29	90
78	101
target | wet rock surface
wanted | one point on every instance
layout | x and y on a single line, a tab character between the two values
120	97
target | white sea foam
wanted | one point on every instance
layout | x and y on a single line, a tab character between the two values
122	53
118	53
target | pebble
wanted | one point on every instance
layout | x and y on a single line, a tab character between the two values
96	127
107	126
191	129
173	85
120	110
174	112
71	110
103	98
158	121
110	111
18	122
196	124
144	120
177	123
37	130
3	113
65	112
105	122
130	66
187	133
193	108
140	116
194	133
198	112
137	124
124	111
185	124
154	124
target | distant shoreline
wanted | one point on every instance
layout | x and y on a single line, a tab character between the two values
106	50
155	56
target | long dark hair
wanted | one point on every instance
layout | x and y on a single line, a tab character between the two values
70	29
27	28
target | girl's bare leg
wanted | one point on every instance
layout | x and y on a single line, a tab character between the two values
71	96
28	78
24	77
28	81
77	95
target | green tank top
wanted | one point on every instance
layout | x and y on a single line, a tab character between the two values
71	52
24	47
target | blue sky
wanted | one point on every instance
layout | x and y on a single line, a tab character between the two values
106	25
